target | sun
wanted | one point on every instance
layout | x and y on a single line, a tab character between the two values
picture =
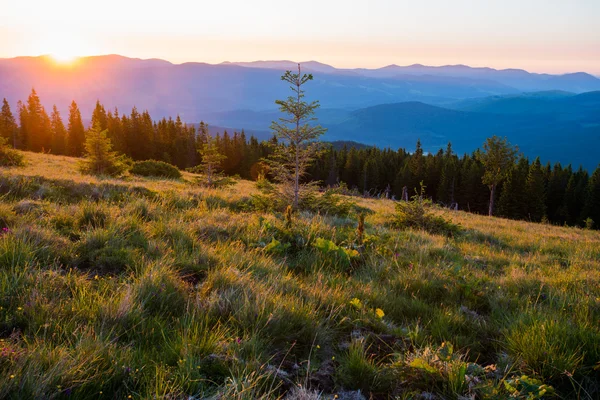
63	57
64	48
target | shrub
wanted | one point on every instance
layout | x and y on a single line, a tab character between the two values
154	168
8	156
416	214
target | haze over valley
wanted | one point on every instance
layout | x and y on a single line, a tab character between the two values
552	116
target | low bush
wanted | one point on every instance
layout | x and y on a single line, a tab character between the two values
154	168
416	214
8	156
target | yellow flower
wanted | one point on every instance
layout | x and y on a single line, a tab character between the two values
12	377
19	308
318	347
332	358
356	303
96	277
379	312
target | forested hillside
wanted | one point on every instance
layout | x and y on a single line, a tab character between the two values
560	194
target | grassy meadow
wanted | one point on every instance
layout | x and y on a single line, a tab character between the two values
143	288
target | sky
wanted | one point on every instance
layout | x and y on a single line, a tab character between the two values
554	36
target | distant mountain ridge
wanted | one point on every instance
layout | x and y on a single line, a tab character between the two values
554	116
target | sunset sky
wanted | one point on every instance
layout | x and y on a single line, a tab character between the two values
538	35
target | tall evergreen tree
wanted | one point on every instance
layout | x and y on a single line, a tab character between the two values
498	158
8	125
37	131
99	116
76	132
447	186
591	208
536	191
292	158
59	133
513	197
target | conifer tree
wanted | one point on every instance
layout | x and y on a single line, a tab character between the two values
292	158
447	185
513	197
100	159
211	156
36	129
99	116
497	158
591	208
76	132
8	125
59	133
536	191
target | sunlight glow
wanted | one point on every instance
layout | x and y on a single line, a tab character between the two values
64	48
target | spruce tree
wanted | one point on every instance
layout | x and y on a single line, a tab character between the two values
37	128
100	159
447	186
99	116
591	208
59	133
498	159
8	125
536	191
513	197
76	132
292	158
211	156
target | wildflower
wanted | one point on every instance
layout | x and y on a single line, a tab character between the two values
318	347
19	308
96	277
356	303
12	377
332	358
379	312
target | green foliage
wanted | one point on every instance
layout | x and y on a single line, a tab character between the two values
338	254
417	214
155	168
99	157
8	156
290	160
528	388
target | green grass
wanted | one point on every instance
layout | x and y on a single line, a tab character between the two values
156	288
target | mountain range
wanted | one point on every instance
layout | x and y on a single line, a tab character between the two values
554	116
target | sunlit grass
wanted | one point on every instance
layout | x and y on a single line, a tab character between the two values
151	288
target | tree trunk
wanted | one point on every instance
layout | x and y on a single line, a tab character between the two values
492	195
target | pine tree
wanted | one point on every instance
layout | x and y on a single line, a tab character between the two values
513	197
536	191
8	125
557	185
36	129
292	158
211	156
59	133
498	158
591	208
99	116
100	159
76	132
447	186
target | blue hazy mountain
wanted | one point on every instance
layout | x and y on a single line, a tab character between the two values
194	89
554	116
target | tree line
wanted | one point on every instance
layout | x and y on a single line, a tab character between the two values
522	189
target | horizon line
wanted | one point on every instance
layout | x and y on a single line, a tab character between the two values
596	75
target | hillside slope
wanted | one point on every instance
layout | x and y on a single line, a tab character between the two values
147	288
